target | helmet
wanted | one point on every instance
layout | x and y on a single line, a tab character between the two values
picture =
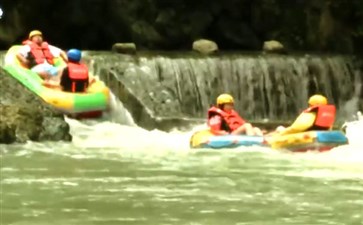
225	99
74	55
317	100
34	32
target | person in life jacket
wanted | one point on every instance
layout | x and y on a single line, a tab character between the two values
75	77
38	56
319	116
223	119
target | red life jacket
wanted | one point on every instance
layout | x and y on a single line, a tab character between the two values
325	115
78	74
231	121
40	53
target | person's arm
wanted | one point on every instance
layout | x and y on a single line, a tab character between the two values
57	52
91	79
215	124
63	55
302	123
21	55
22	59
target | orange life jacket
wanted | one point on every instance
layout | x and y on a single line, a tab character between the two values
40	52
230	121
78	74
325	116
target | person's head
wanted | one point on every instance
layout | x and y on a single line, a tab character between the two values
225	102
36	36
74	55
317	100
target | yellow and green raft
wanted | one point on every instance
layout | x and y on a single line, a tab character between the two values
96	97
299	142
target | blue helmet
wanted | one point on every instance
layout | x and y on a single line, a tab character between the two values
74	55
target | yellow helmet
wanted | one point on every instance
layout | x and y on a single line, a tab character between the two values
318	100
34	32
225	99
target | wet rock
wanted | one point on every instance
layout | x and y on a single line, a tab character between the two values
7	133
124	48
23	120
205	46
273	47
55	129
24	116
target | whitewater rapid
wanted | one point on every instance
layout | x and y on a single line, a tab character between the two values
133	140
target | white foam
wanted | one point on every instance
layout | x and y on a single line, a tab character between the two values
354	131
108	134
116	142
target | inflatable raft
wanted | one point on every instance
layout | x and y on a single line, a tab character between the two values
88	104
299	142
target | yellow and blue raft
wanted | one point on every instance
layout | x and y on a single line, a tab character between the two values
299	142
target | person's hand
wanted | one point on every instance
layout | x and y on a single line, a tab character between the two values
26	62
92	80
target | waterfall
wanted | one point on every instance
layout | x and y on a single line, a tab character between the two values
264	86
118	113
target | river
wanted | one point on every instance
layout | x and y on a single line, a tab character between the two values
115	174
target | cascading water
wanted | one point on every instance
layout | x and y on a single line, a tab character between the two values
265	86
117	113
353	130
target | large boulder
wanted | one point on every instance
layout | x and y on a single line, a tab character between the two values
26	117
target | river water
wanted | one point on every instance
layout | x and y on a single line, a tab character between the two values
115	174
